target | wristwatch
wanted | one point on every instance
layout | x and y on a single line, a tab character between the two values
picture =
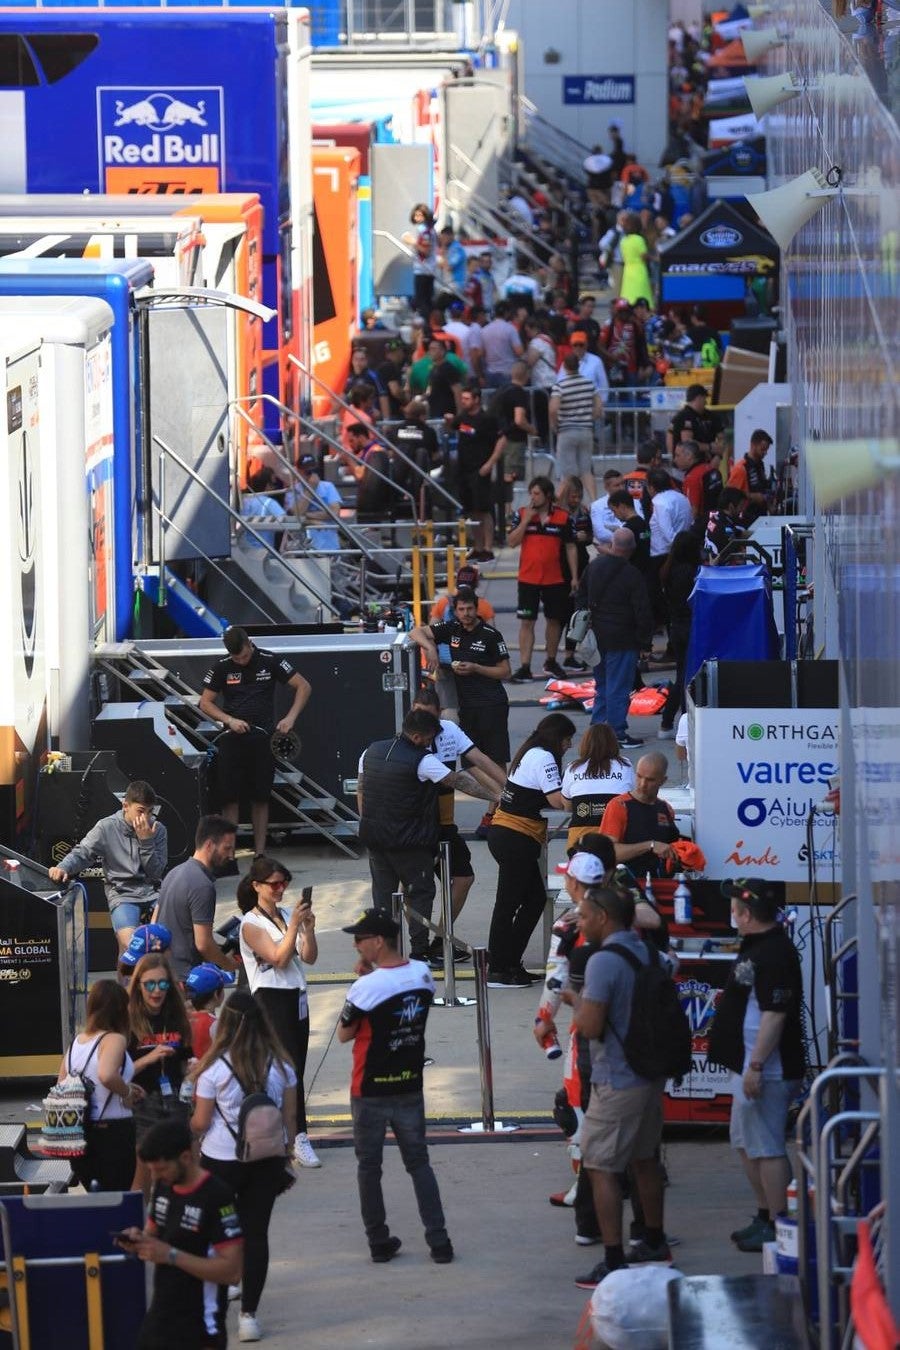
756	1065
173	1256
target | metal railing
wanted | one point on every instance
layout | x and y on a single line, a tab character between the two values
549	143
832	1152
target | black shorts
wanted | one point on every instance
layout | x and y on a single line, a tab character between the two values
557	602
245	767
475	492
460	857
488	728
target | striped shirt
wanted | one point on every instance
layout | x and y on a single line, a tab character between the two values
576	401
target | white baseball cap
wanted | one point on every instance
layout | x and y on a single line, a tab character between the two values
586	868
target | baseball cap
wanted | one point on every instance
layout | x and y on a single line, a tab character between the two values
149	937
307	462
761	435
579	335
752	891
586	868
373	923
207	978
456	307
468	576
621	304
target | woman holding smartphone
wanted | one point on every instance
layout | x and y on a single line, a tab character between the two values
276	939
160	1046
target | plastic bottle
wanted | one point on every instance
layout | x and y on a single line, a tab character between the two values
551	1046
186	1093
683	908
174	743
791	1197
13	869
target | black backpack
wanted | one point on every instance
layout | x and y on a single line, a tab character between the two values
657	1043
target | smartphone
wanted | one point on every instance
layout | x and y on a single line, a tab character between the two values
306	897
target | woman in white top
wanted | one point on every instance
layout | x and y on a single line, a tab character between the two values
275	941
515	840
245	1057
597	775
99	1053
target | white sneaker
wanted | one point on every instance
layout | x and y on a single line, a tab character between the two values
304	1153
234	1291
248	1328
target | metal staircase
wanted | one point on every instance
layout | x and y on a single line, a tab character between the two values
315	810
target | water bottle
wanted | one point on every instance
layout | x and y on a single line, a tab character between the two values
791	1198
13	870
684	911
186	1093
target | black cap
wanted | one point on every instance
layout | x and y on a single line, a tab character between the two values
374	923
307	462
754	892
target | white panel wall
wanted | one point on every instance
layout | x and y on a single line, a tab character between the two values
598	37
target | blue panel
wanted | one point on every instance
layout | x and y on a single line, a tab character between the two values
115	282
699	286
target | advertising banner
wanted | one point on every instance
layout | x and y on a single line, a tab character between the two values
761	776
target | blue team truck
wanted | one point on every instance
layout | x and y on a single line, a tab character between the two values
172	101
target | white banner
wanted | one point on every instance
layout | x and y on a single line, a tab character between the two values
758	774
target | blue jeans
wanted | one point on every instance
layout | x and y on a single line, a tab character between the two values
405	1113
614	679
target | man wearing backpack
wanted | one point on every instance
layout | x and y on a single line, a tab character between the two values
384	1016
623	1122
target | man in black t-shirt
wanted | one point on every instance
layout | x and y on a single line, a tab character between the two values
693	422
621	503
480	662
757	1033
384	1016
390	373
419	442
444	384
239	692
479	446
193	1239
513	406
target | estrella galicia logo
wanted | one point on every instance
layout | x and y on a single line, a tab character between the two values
721	236
177	126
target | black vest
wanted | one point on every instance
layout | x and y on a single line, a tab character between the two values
398	812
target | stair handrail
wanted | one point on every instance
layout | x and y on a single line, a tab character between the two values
377	435
356	536
239	520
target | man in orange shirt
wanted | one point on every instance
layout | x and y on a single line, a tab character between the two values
749	475
640	823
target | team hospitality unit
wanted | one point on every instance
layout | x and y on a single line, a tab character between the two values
190	1067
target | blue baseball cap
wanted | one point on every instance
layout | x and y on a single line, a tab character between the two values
207	978
149	937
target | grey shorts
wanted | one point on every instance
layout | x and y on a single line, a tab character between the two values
758	1124
620	1125
574	449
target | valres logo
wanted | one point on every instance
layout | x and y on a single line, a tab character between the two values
163	140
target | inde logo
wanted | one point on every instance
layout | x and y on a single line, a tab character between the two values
161	140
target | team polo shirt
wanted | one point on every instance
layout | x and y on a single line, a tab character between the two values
391	1007
540	562
248	692
450	745
483	646
766	977
628	821
589	793
201	1219
525	795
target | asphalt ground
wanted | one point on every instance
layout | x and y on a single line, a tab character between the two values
512	1281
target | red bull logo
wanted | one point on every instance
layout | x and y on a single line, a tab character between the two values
161	140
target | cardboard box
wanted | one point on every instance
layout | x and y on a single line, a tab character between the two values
740	372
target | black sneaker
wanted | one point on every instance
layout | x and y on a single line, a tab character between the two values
640	1253
596	1276
573	663
385	1251
509	979
629	742
554	670
521	676
442	1254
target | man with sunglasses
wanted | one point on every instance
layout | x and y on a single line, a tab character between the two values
132	848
